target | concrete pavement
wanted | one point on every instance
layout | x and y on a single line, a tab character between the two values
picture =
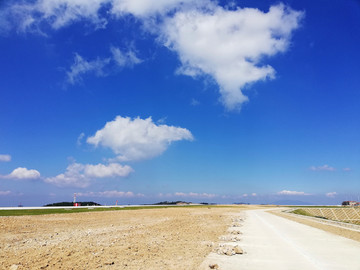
272	242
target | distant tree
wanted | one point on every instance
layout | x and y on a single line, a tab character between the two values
71	204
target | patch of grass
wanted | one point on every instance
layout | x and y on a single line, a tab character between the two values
301	212
34	212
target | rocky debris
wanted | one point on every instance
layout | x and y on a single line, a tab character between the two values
235	232
15	267
236	224
237	220
213	266
228	238
228	250
238	250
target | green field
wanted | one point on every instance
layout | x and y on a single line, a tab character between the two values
60	210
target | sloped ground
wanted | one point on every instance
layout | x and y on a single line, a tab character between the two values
172	238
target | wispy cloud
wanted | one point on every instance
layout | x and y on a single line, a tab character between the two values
98	67
125	58
5	158
195	195
331	194
111	194
347	169
322	168
81	67
292	193
136	139
4	193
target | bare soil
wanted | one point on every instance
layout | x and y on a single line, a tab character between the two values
171	238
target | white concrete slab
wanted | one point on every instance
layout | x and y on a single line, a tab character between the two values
272	242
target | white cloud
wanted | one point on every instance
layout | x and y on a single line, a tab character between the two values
111	170
195	195
4	193
144	8
80	175
125	59
136	139
322	168
229	45
253	194
80	138
111	194
5	158
288	192
331	194
22	174
26	16
347	169
82	66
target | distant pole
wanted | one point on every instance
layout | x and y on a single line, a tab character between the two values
116	202
74	198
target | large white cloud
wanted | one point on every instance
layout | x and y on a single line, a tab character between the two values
80	175
136	139
230	45
23	174
5	158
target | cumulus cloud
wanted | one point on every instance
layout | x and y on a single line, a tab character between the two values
22	174
111	194
4	193
331	194
82	66
230	45
288	192
137	139
5	158
80	175
322	168
195	195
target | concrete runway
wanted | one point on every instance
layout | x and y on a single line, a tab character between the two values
272	242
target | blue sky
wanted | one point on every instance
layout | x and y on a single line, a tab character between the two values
144	101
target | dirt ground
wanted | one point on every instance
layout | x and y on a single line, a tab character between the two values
171	238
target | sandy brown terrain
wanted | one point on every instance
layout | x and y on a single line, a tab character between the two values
172	238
